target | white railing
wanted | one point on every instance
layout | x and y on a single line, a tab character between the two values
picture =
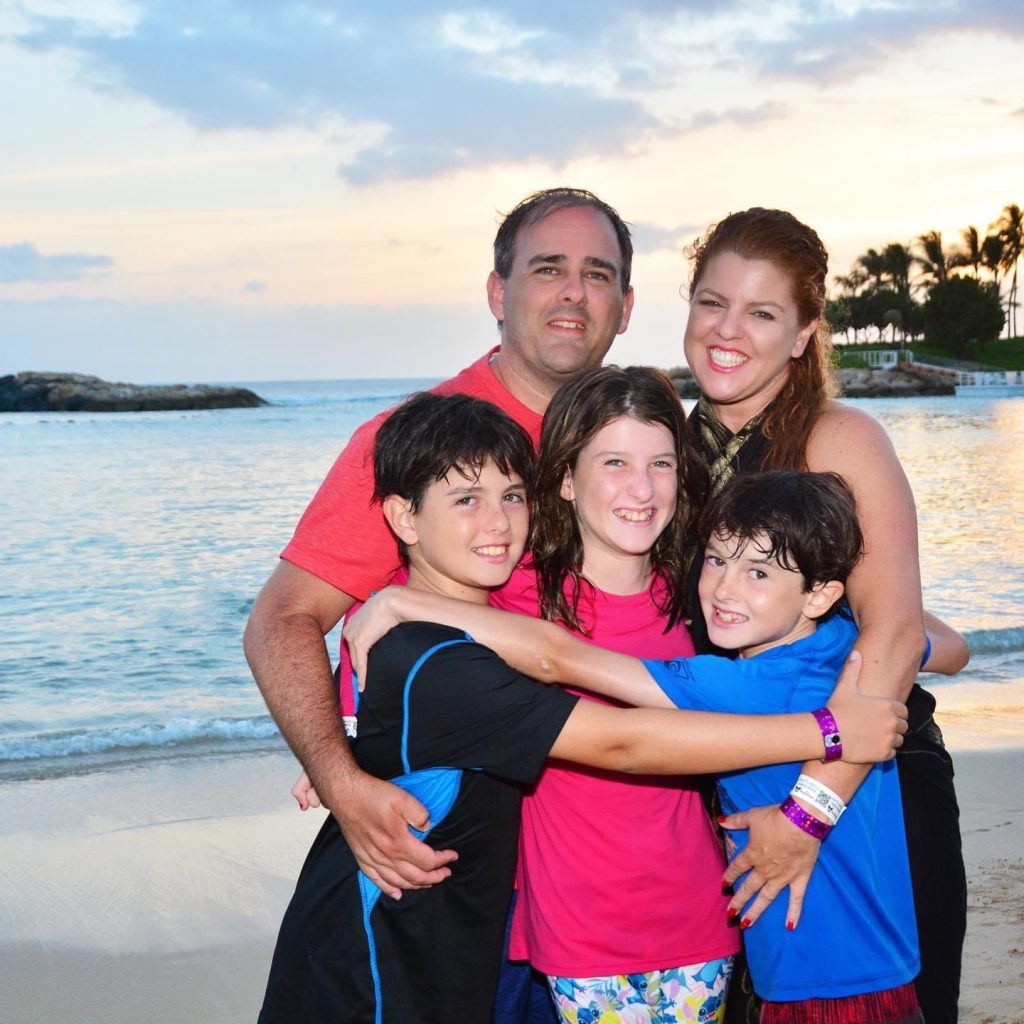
990	378
884	359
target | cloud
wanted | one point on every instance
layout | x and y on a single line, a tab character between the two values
254	286
769	111
401	74
24	262
649	238
416	88
830	42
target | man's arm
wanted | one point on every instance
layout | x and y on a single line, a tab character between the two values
884	591
284	645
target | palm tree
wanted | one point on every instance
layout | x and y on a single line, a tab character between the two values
933	259
970	255
872	263
1010	228
897	261
993	251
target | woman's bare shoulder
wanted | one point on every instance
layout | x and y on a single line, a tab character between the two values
845	432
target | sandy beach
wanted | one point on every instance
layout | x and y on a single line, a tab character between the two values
154	894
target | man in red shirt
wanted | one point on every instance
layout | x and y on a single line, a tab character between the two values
560	292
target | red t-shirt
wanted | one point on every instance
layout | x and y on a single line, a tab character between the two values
342	536
618	874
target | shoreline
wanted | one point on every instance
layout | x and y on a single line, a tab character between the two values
163	885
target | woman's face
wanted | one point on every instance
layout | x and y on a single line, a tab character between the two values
623	488
742	331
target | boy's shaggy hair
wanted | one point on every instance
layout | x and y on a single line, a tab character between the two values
808	521
429	436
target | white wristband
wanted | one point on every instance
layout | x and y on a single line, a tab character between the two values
820	797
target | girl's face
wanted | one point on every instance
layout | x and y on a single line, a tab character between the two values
623	488
742	331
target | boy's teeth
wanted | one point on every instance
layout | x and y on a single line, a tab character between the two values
635	517
730	616
722	358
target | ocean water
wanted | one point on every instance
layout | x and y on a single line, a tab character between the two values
134	544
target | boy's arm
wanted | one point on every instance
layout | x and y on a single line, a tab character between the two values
870	727
948	651
654	741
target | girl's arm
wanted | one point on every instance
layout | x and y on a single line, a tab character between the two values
948	649
536	648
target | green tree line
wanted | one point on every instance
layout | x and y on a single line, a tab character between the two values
949	295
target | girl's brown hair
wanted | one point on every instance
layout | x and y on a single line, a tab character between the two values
577	412
795	249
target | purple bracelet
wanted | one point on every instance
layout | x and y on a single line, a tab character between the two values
807	822
829	734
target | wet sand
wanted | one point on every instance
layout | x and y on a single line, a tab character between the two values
154	894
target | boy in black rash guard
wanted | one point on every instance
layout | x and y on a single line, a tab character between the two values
448	720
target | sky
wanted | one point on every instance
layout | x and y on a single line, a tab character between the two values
245	190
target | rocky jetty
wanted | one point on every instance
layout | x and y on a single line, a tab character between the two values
903	382
79	392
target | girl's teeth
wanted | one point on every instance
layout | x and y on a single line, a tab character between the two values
635	517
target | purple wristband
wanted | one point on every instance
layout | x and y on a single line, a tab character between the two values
829	734
806	822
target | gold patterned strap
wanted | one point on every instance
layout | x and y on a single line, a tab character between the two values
722	445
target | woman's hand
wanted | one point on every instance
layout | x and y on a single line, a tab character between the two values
871	728
367	626
305	793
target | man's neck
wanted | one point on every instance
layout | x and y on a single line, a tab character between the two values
522	386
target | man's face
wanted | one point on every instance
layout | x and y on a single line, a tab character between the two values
562	303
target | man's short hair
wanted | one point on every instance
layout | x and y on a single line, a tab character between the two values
809	521
430	435
541	204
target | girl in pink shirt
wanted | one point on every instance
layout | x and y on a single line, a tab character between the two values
620	900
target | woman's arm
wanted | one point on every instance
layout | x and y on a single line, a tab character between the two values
948	651
884	591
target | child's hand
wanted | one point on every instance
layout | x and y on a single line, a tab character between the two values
366	627
871	728
305	793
